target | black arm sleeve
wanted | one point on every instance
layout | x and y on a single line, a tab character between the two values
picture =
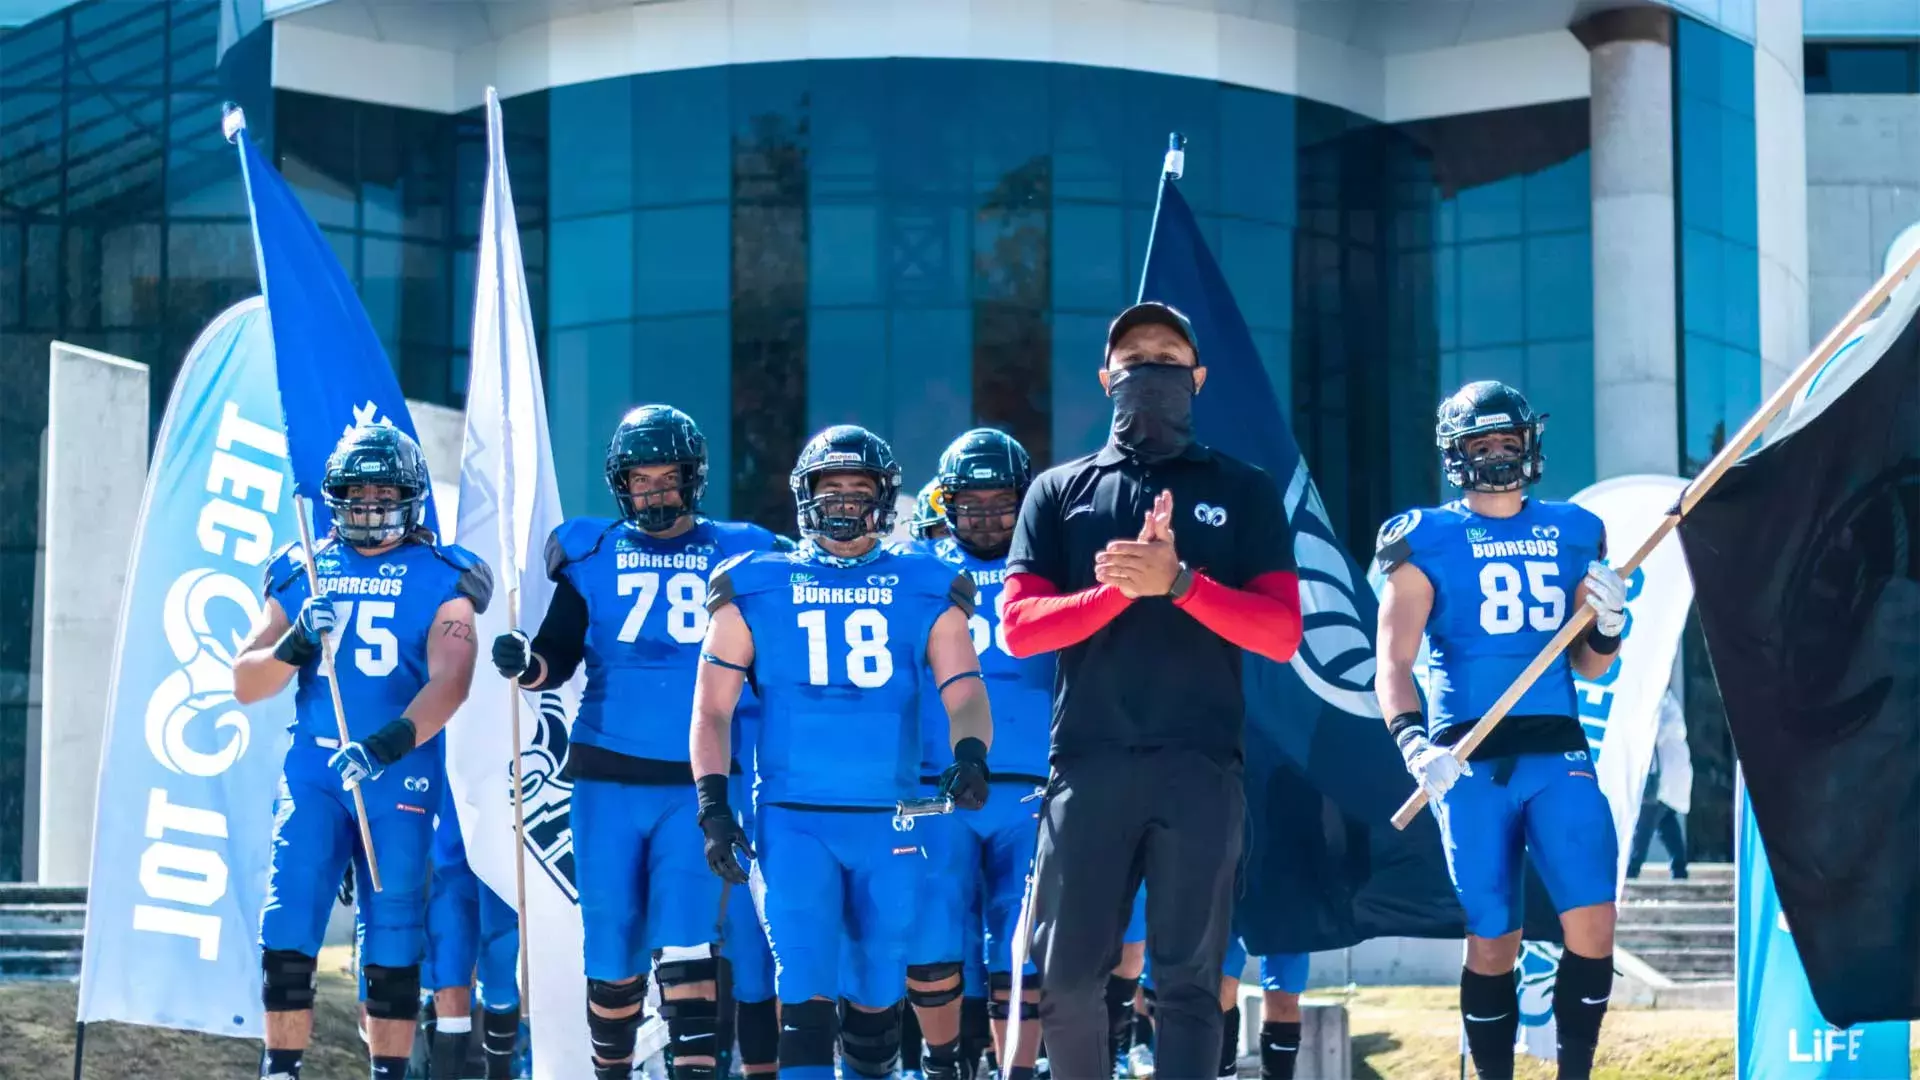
562	640
1036	546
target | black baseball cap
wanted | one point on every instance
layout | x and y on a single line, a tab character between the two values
1151	313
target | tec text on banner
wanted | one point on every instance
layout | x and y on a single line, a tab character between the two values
187	777
509	503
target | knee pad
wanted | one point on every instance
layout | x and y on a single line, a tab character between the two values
393	993
1000	1005
757	1024
288	986
933	973
870	1041
807	1030
613	1036
694	1023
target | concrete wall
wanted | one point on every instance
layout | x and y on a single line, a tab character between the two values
96	466
1863	188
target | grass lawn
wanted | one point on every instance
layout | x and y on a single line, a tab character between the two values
1399	1033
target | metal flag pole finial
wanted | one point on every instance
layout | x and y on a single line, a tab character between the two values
233	121
1176	162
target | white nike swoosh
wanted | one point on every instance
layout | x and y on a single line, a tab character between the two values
1086	508
689	1038
1283	1049
1472	1019
1595	1001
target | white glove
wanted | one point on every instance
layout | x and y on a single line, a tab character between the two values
1607	596
1434	767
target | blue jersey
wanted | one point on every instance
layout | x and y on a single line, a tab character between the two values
384	607
1501	588
1021	690
840	664
646	616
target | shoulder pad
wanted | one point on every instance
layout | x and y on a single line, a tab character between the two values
476	577
287	563
1394	544
785	543
960	591
755	537
573	540
720	583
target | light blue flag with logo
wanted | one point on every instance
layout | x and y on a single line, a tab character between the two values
184	822
1781	1034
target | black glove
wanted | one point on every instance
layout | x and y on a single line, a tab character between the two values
965	781
722	831
512	654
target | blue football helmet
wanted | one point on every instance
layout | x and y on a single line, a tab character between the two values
843	517
1482	408
983	460
657	435
382	456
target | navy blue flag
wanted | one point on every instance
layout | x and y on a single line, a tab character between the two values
1325	869
333	372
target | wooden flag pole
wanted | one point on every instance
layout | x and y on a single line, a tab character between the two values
333	686
519	810
1736	446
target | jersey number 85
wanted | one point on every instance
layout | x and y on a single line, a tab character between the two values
1504	608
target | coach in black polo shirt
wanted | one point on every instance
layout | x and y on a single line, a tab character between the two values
1150	565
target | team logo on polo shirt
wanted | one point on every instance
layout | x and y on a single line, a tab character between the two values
1208	514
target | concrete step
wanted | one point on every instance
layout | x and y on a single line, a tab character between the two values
43	916
1695	872
41	940
24	964
17	892
1689	964
1666	912
1690	891
1670	936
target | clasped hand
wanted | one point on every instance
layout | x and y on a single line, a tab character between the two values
1147	565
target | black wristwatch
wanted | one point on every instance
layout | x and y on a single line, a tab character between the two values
1182	581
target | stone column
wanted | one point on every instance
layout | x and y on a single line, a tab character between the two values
1780	177
96	470
1635	349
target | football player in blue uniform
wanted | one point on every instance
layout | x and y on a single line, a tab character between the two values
1489	579
842	639
471	932
982	477
400	607
929	522
630	601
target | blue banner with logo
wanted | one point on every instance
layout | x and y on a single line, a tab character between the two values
1324	867
1782	1035
184	822
333	372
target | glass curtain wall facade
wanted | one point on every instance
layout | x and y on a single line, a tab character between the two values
1717	231
123	229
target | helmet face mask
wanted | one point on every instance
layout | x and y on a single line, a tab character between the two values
983	476
650	437
376	486
1476	462
844	485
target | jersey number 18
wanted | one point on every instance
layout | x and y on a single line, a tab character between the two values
869	665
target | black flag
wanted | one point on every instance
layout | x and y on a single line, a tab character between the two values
1806	565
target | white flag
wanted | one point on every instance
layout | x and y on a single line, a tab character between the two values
509	503
1620	711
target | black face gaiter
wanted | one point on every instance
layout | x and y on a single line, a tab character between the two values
1153	410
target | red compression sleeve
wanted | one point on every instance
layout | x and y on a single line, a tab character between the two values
1263	618
1038	619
